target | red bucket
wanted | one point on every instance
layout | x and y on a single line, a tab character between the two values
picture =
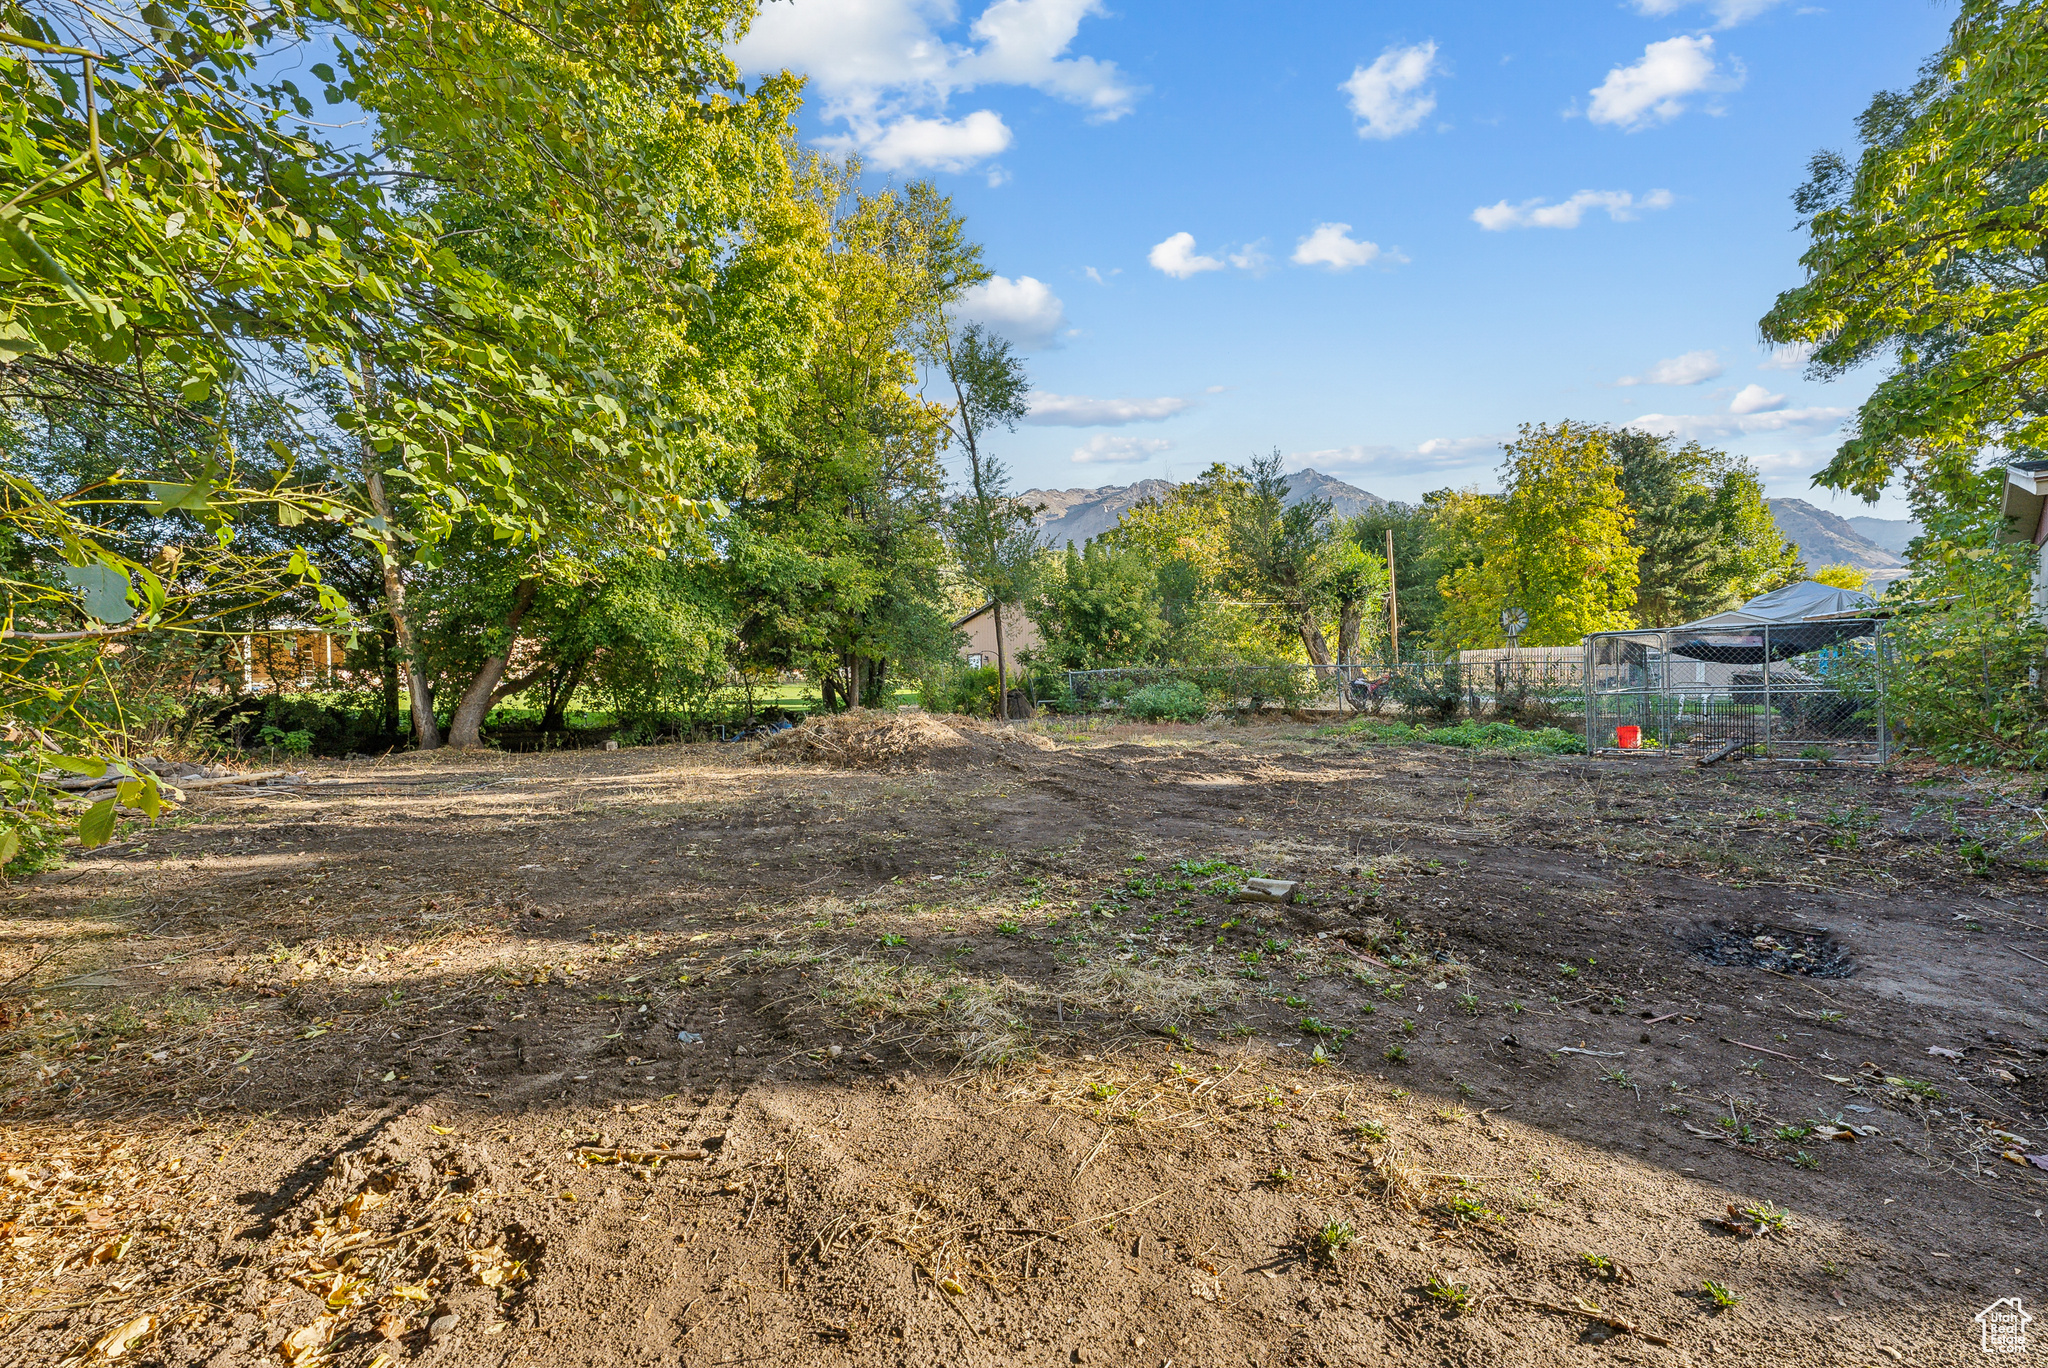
1628	738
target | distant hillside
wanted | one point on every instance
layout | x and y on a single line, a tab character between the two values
1893	534
1076	515
1825	538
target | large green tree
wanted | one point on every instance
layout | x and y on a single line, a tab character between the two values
1705	534
1554	543
835	557
1930	252
1098	608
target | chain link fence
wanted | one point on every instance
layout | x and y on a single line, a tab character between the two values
1530	691
1810	690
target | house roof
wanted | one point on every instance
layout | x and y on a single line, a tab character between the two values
962	622
2026	490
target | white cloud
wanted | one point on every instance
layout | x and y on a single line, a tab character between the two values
935	144
1755	399
1024	310
1332	245
1620	205
1021	43
1693	368
1438	453
1251	257
1388	96
1791	356
1106	450
1177	257
1727	13
1657	88
1079	410
1713	425
885	69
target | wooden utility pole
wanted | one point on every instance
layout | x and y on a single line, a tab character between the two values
1002	676
1393	605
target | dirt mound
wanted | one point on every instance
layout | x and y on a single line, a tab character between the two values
870	739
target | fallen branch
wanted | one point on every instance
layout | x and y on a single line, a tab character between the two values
1759	1049
1611	1322
256	778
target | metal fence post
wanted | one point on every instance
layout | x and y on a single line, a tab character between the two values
1587	681
1768	714
1664	693
1884	733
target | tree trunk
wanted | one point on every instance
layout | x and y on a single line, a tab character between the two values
387	667
828	691
426	731
556	715
465	731
1312	641
1347	634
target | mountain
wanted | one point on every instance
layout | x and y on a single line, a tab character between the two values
1346	501
1891	533
1826	538
1076	515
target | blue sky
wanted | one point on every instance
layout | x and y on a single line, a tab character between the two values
1377	237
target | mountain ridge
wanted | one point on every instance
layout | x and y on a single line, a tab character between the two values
1825	538
1075	516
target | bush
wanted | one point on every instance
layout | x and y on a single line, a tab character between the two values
1392	733
1175	700
1501	736
1436	689
971	692
1508	737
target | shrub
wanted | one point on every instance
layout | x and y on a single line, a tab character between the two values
1436	689
1395	733
962	690
1508	737
1174	700
1502	736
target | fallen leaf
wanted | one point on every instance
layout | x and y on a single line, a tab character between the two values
304	1343
118	1342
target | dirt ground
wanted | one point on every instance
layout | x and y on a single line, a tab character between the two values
664	1056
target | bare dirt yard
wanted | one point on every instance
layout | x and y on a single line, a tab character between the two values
696	1056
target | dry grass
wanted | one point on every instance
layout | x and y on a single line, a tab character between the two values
1158	995
1395	1180
978	1020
